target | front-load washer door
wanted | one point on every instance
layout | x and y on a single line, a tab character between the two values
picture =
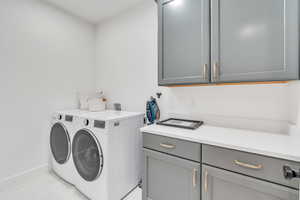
60	143
87	155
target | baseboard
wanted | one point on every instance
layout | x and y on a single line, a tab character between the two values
23	175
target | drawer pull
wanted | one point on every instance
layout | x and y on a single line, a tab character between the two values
216	72
167	146
194	177
205	181
246	165
205	72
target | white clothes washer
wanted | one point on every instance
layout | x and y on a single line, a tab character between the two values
61	135
107	154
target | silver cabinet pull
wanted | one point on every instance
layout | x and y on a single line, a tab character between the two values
206	181
205	72
216	72
167	146
247	165
195	178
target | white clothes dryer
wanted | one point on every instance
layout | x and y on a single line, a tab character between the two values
107	154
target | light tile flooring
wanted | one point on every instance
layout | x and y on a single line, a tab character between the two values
46	186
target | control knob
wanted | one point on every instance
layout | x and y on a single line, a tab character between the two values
289	173
86	122
59	117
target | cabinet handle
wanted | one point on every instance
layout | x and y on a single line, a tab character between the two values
195	177
205	181
246	165
167	146
205	72
216	72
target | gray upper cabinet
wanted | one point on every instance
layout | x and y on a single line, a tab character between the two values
218	184
183	41
170	178
254	40
213	41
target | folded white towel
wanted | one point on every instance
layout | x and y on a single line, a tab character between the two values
96	105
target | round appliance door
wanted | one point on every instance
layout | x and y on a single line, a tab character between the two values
87	155
60	143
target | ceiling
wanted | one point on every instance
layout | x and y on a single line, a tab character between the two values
94	10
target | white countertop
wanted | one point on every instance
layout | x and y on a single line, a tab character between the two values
274	145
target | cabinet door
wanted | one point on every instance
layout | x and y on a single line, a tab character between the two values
254	40
220	185
183	41
170	178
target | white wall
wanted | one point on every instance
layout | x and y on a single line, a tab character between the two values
127	72
127	57
45	57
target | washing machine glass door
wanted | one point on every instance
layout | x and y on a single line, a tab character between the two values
87	155
60	143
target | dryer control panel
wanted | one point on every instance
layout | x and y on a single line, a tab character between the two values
99	124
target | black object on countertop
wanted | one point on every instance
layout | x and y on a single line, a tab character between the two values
289	173
181	123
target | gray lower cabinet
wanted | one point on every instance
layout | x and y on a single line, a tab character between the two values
254	40
258	166
183	41
219	184
170	178
215	173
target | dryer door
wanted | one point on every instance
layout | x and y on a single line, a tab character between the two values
87	155
60	143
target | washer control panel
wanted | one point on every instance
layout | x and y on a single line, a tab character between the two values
68	118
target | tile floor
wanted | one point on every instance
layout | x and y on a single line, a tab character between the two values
46	186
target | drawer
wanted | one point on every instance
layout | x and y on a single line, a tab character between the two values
181	148
258	166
